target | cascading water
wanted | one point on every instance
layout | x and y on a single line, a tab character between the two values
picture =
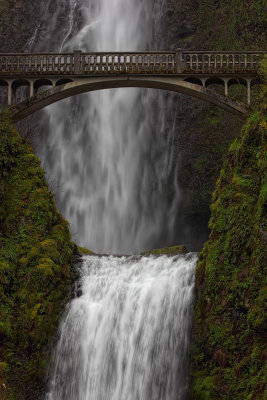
109	151
126	337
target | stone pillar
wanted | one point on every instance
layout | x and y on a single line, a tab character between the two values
179	61
77	62
226	80
203	81
31	89
9	93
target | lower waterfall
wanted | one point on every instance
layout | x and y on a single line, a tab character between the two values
126	334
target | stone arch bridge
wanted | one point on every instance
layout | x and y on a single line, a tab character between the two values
68	74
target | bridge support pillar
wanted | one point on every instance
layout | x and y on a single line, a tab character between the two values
31	89
226	80
9	93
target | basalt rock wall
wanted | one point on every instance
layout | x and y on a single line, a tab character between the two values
203	133
18	21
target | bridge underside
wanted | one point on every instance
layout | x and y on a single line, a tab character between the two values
83	85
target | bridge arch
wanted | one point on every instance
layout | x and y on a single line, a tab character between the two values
57	93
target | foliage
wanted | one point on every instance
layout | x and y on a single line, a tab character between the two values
229	353
36	266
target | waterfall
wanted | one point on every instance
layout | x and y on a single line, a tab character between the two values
109	151
126	336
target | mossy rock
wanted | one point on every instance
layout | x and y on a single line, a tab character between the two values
84	251
36	266
49	249
229	354
170	251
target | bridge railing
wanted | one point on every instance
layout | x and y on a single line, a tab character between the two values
178	62
129	63
224	62
36	63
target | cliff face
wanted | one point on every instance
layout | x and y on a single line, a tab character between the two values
19	19
36	267
215	24
203	133
229	352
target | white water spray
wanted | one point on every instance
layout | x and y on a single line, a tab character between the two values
126	337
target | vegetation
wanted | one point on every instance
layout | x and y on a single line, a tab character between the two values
36	266
170	251
83	250
229	352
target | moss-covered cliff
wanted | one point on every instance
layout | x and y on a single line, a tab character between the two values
36	267
230	352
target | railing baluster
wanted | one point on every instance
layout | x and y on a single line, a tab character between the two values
191	62
143	66
53	63
160	63
197	63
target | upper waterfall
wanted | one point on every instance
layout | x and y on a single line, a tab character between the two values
109	152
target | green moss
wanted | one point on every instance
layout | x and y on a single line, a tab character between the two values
229	355
83	250
203	388
180	249
36	266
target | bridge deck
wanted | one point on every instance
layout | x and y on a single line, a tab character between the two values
178	62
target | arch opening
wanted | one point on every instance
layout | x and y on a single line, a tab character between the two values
42	85
216	83
3	93
237	89
192	79
20	90
237	81
63	81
